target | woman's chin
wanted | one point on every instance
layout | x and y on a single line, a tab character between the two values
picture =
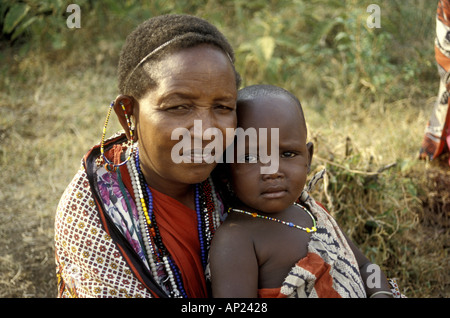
196	173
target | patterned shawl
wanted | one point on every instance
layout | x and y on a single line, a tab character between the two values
97	248
98	243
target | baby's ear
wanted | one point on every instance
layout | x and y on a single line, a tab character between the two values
310	147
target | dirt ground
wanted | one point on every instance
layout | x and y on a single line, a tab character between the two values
27	256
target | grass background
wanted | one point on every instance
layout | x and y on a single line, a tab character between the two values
367	95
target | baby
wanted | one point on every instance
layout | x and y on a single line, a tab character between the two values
272	243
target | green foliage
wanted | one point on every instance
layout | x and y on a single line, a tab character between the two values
33	21
280	41
12	19
304	35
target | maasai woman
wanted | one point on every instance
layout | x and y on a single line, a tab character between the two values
133	222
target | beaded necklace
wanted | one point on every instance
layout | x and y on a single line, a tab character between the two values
206	206
290	224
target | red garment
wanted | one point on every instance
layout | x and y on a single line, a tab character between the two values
270	293
314	264
178	228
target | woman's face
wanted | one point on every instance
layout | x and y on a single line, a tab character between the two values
196	83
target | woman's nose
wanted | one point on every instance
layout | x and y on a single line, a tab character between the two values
203	120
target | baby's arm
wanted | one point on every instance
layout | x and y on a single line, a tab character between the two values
374	279
233	263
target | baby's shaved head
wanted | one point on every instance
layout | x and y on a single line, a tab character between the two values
252	92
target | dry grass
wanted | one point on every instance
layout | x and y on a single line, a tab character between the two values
399	217
45	128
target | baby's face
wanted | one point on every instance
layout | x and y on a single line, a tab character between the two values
274	191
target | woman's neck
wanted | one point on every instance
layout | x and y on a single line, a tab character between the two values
182	192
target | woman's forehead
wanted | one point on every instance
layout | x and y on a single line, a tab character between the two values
192	71
179	60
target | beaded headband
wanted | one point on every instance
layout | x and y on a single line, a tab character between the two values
159	48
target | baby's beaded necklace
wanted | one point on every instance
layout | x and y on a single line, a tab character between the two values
290	224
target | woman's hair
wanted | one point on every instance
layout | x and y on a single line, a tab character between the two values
157	37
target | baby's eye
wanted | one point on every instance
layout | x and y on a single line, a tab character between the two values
223	106
288	154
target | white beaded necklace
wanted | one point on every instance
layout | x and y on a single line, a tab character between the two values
145	224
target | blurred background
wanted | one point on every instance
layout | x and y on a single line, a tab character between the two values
367	95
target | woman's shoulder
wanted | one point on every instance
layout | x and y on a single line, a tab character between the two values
77	194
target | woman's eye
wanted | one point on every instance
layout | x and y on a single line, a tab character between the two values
178	108
251	158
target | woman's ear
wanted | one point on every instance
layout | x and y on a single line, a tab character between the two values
124	104
310	147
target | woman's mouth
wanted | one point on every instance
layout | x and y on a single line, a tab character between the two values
198	156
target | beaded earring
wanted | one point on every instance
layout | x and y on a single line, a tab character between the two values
110	166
